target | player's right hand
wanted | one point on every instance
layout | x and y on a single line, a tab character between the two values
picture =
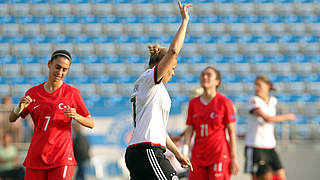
291	117
184	161
184	10
25	101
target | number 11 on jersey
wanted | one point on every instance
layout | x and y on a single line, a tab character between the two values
204	130
47	123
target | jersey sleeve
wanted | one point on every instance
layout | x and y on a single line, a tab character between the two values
254	103
79	105
230	115
148	79
190	114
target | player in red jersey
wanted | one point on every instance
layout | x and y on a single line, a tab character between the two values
52	106
209	115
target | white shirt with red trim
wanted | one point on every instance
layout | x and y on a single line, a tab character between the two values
260	134
152	107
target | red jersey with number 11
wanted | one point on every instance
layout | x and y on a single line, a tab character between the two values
51	144
210	122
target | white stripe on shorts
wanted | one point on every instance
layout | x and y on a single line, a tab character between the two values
220	167
155	165
65	171
249	162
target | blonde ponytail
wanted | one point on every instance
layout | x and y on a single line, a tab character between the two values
156	54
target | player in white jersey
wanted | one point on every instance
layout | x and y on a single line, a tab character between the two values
260	141
151	105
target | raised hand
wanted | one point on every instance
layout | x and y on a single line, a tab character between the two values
291	117
25	101
71	112
184	10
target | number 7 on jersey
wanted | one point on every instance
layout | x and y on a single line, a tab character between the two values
47	123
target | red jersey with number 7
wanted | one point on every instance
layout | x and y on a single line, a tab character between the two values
51	144
210	122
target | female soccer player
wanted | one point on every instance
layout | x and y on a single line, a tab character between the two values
151	105
52	106
209	115
260	141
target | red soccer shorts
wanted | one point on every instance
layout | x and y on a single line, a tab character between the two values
59	173
218	171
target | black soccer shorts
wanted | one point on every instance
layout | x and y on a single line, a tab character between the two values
149	164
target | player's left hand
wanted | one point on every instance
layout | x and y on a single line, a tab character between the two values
234	166
71	112
184	161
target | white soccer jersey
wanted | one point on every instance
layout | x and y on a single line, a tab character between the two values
260	134
151	110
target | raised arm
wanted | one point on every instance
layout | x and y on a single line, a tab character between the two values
277	118
24	102
169	60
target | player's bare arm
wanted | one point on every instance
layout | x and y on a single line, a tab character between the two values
184	160
85	121
233	147
169	60
24	102
187	139
277	118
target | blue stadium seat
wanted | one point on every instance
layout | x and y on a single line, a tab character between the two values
125	89
6	59
195	59
116	101
95	69
107	89
105	49
87	90
125	79
315	119
42	49
103	79
7	20
35	80
4	90
33	69
20	9
38	1
19	89
311	78
3	80
230	78
11	29
131	59
80	80
4	39
11	70
61	39
300	120
48	19
113	59
76	69
41	39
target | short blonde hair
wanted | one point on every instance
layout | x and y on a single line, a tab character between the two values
265	79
